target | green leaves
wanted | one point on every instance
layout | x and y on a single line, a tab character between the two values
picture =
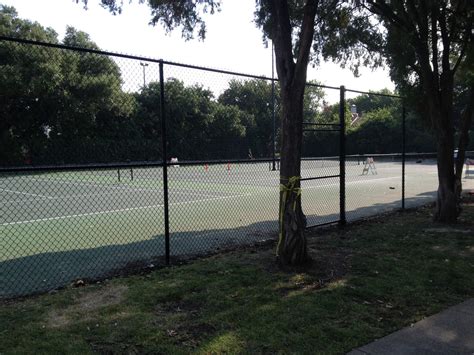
53	101
172	14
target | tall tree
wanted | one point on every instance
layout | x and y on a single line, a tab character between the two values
201	128
89	97
302	31
28	80
254	98
58	106
295	27
424	43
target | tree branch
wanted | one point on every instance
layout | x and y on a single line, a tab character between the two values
306	39
386	12
421	34
415	68
461	56
446	42
434	43
281	36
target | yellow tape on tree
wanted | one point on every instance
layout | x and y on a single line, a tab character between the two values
287	189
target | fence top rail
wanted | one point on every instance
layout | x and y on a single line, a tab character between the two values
374	93
128	56
322	86
392	155
72	167
107	166
378	155
158	61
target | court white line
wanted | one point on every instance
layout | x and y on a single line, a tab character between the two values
65	197
276	179
182	203
353	182
26	193
119	187
11	202
376	179
119	210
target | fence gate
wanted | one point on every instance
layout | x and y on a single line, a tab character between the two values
324	184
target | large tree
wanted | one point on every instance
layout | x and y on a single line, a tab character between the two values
300	31
28	80
201	128
425	43
254	98
58	106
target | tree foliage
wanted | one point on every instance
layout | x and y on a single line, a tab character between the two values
52	98
172	13
67	107
425	43
254	97
28	81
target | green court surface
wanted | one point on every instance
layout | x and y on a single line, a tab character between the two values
59	226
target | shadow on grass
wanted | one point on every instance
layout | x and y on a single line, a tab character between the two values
47	271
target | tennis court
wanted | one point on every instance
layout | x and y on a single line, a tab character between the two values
59	226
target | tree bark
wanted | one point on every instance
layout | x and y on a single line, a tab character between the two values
441	115
446	203
291	249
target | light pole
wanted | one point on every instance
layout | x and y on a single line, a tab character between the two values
144	65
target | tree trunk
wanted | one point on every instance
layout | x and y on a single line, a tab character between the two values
291	249
439	92
446	203
466	120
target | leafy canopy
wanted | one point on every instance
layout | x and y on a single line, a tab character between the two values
172	13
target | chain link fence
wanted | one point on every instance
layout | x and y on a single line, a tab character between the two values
113	162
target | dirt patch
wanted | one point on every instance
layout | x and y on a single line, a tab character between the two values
58	319
187	308
327	265
105	348
86	304
189	332
107	296
327	262
468	252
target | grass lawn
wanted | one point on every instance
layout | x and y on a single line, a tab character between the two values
365	281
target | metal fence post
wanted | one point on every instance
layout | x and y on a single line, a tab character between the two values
165	164
403	155
273	112
342	156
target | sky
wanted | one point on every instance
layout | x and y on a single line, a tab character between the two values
233	42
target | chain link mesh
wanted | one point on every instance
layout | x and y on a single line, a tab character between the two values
87	197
